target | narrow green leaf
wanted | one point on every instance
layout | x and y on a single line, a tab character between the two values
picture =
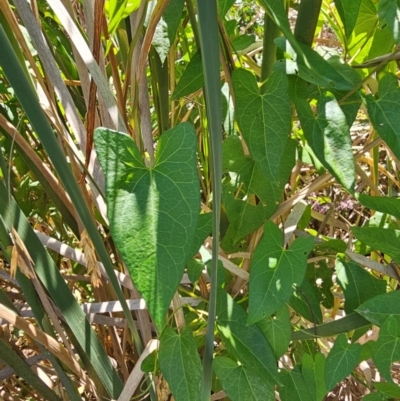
164	34
383	112
386	240
357	284
191	80
246	343
389	12
241	383
88	345
382	204
313	370
277	331
153	212
25	372
180	364
345	324
274	270
341	360
379	308
386	349
328	135
348	11
294	387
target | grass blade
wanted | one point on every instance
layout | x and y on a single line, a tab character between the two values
209	40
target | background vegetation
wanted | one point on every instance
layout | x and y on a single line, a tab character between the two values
199	199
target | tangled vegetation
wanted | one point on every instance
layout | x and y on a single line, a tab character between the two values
199	200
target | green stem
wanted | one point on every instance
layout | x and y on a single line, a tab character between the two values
307	20
271	31
209	40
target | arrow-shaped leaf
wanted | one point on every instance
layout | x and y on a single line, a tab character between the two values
153	212
240	383
386	349
341	360
180	364
383	112
274	270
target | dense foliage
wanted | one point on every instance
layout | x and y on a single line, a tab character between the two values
199	199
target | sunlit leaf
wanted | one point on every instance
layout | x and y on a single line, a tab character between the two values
153	212
348	11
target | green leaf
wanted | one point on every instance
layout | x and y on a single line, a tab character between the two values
117	10
375	397
329	137
389	389
386	240
345	324
224	6
348	11
386	349
382	204
274	270
180	364
194	269
389	12
341	360
357	284
309	64
244	218
203	230
379	308
305	302
164	34
264	120
191	80
240	383
246	343
153	212
277	331
294	387
241	42
364	31
383	112
251	179
24	371
313	369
